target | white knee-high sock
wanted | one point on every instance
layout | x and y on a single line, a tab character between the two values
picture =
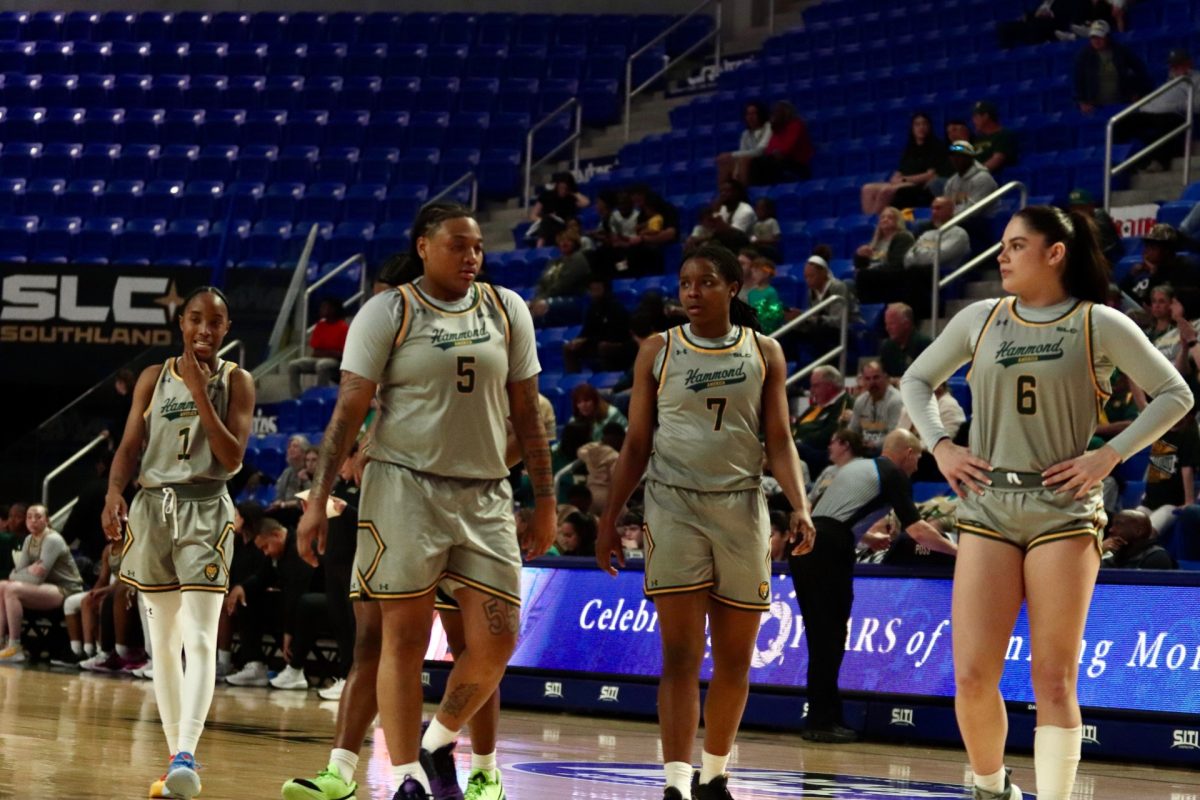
165	630
199	618
145	626
1055	760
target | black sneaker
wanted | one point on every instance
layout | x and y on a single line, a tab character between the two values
671	793
411	789
69	659
443	776
716	789
833	734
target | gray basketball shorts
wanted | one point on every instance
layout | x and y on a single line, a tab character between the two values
720	541
417	530
176	539
1027	518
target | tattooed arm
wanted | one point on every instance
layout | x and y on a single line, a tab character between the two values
527	424
354	398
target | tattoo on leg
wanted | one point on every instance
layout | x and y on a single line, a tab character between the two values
454	703
502	617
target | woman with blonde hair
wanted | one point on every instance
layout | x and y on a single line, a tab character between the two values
889	244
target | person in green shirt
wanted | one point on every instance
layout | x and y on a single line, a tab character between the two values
762	296
997	146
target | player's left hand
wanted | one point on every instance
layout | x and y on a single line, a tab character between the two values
801	532
1082	473
194	372
539	535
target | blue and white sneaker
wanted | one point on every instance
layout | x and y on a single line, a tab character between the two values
183	778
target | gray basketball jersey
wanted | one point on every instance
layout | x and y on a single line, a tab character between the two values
709	401
177	450
442	391
1040	386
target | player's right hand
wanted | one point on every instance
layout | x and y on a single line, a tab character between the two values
314	525
608	544
235	598
961	469
112	518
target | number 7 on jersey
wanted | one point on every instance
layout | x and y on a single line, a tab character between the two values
719	404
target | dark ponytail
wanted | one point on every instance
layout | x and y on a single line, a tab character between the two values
429	218
1087	271
730	269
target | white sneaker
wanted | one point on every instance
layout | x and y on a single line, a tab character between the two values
253	674
146	671
99	658
290	678
333	691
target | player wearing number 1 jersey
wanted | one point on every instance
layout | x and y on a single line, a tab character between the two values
712	387
1031	514
192	414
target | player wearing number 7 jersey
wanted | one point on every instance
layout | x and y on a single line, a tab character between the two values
712	387
192	414
1031	513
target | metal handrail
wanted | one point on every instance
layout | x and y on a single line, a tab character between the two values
714	34
840	351
60	517
101	437
241	348
974	210
318	283
1110	171
469	175
574	138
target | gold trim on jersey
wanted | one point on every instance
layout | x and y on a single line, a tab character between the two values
433	304
370	526
200	587
216	374
979	530
470	583
725	601
662	371
150	588
711	351
1102	396
365	591
695	587
405	317
157	382
1069	533
503	311
220	545
762	357
987	323
1012	309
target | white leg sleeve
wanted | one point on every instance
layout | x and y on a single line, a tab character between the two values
1055	760
199	619
164	627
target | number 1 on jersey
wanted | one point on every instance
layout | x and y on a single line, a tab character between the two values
185	436
719	404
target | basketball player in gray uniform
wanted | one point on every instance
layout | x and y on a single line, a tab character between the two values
1031	514
452	360
189	421
712	387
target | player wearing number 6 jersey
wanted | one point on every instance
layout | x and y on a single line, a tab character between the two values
1031	514
712	387
192	414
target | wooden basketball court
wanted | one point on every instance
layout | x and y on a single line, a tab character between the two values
84	735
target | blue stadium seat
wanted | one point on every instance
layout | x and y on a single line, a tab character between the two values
534	29
177	161
12	193
323	91
183	240
168	90
391	238
305	26
268	239
388	129
468	129
17	159
419	27
54	242
495	28
454	163
137	162
202	199
268	26
478	94
264	127
228	26
207	58
566	62
104	125
114	26
372	58
350	238
22	124
162	198
94	244
129	58
282	200
297	163
256	162
58	90
138	242
97	161
499	171
16	236
446	61
92	90
347	128
14	55
206	91
243	198
43	25
438	94
245	92
323	200
378	164
227	242
338	164
399	93
284	92
361	92
42	196
458	28
419	165
526	61
428	128
519	95
122	198
78	25
365	202
143	125
306	128
487	61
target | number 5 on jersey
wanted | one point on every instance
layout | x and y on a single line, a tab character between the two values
466	374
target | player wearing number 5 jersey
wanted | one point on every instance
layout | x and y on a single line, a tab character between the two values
703	395
192	416
1031	514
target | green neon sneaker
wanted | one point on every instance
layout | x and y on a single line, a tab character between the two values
484	785
328	785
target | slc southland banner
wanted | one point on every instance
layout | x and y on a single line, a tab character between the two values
1141	649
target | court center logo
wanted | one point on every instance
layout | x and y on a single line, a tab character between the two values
760	782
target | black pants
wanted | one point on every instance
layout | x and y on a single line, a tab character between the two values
262	615
824	581
323	612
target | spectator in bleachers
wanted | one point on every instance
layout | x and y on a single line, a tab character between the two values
246	561
565	276
779	536
1132	543
590	408
915	182
112	402
642	325
876	410
822	331
1160	264
971	181
82	610
1107	72
995	145
294	478
599	457
814	429
766	235
122	632
1162	115
1053	20
788	152
325	346
1120	409
955	243
556	205
889	244
1081	200
576	536
844	446
1171	474
1163	331
43	576
603	341
761	295
903	343
9	541
736	165
82	529
957	130
644	251
728	219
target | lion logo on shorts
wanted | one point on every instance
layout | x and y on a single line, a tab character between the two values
764	590
211	572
